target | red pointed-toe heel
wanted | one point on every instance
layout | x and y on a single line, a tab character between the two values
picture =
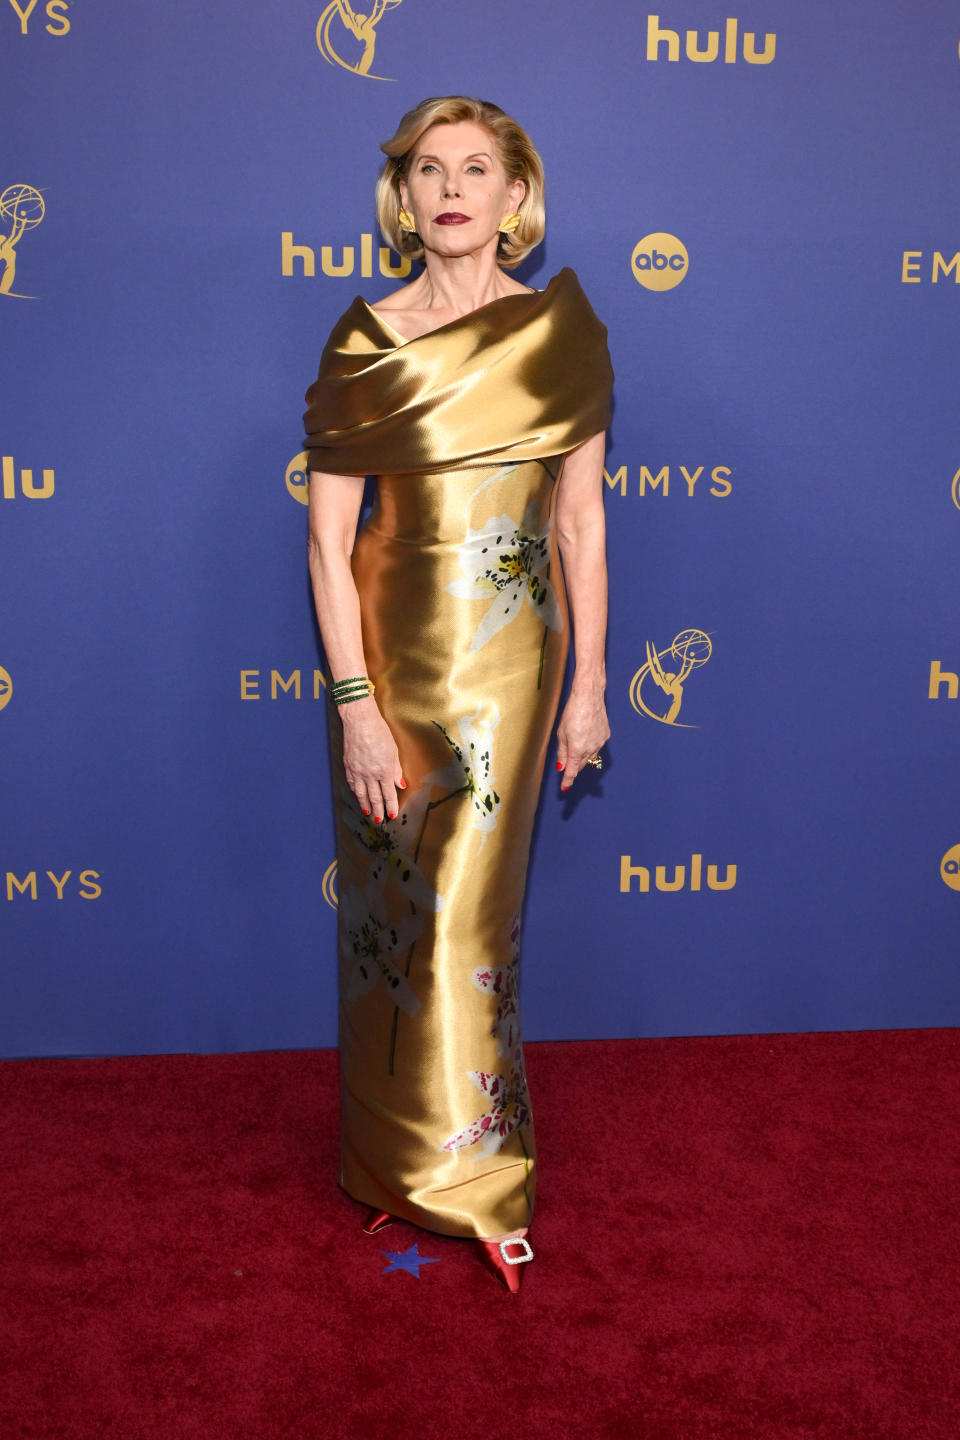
502	1259
376	1220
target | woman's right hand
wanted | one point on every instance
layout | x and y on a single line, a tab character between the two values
371	759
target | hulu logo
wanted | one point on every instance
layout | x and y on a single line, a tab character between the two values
678	880
703	52
304	258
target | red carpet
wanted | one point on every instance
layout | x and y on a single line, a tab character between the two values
736	1237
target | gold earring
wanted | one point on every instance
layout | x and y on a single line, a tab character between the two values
509	223
406	220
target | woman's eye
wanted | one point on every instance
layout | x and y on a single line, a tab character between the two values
427	166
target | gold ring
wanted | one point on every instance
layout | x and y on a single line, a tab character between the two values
596	762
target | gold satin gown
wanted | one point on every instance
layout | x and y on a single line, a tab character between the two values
465	634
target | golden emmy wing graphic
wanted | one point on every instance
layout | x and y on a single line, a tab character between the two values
339	17
666	672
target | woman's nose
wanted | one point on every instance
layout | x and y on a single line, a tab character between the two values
450	186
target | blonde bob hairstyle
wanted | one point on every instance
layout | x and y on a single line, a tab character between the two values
514	147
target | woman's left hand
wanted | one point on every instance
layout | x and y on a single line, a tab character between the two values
582	730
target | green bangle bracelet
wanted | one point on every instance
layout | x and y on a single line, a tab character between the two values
356	687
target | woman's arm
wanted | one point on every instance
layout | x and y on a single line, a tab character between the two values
581	533
370	756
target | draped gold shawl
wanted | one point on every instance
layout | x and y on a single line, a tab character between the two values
520	378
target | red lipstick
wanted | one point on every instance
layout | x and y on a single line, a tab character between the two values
451	217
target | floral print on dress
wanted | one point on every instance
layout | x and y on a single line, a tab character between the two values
507	563
390	843
510	1099
473	770
372	941
501	981
509	1109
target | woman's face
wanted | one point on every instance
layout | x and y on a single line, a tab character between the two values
457	190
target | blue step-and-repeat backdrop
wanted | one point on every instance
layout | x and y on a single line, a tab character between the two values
762	208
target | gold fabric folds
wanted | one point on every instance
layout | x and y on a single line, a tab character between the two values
521	378
465	633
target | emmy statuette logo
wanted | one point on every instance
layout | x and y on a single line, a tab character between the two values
330	885
21	209
659	261
6	688
341	28
950	868
657	688
955	490
298	478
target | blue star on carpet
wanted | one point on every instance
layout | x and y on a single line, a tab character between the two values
409	1260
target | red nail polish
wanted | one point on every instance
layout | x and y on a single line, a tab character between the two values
403	784
559	764
366	812
392	815
377	819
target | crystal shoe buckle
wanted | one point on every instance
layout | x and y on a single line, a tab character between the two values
516	1259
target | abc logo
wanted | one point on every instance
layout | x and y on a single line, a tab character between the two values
6	688
298	478
659	261
950	868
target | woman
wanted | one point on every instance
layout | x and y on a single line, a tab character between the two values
480	405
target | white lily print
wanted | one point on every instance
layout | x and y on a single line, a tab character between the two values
509	1109
473	769
506	563
391	842
372	940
